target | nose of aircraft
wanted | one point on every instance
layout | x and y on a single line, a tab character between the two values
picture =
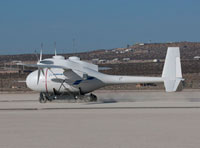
31	80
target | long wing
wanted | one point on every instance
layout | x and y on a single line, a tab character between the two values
41	65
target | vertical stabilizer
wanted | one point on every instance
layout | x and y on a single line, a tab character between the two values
172	74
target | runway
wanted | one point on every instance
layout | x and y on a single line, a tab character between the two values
145	119
106	100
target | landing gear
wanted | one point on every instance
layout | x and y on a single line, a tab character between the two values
42	98
86	98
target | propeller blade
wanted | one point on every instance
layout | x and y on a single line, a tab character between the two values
42	71
38	75
36	55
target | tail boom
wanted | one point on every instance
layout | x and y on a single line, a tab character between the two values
113	79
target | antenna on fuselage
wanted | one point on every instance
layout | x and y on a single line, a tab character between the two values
41	51
55	48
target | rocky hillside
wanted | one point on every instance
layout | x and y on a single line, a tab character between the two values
142	51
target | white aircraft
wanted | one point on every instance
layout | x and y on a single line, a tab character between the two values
58	77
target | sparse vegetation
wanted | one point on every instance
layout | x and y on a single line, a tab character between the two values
141	52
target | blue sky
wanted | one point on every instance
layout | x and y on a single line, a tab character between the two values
94	24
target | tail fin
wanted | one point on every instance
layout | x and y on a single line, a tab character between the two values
172	74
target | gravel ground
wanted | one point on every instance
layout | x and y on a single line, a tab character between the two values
143	119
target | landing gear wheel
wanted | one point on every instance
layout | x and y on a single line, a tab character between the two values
42	99
93	98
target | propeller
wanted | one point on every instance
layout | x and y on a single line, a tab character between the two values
40	69
36	55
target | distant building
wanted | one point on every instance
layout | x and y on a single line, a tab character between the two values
16	61
128	49
126	59
197	57
102	61
156	60
115	60
95	61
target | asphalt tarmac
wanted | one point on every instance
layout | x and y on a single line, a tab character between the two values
144	119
